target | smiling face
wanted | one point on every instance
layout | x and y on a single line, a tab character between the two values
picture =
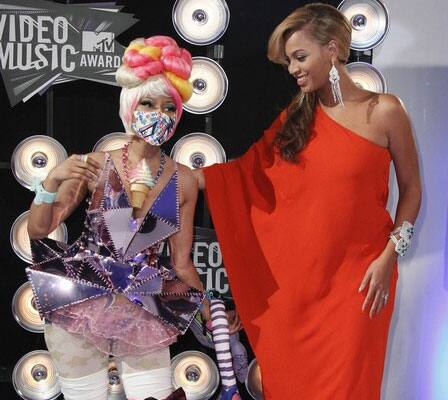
308	61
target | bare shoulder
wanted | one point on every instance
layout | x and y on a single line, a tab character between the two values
390	116
390	106
186	176
188	183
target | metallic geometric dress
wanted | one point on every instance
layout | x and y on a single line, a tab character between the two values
116	254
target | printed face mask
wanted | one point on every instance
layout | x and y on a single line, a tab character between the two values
154	127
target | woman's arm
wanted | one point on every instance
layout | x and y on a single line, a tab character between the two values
404	155
181	243
199	175
257	157
70	180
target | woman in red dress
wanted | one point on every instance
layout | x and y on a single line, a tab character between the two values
308	244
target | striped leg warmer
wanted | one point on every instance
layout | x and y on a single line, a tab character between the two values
220	327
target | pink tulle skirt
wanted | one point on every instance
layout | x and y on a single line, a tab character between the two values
118	328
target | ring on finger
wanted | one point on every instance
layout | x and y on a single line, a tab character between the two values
83	158
385	297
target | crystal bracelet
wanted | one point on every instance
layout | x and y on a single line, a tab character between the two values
402	236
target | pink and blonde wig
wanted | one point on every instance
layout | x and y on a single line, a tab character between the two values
152	67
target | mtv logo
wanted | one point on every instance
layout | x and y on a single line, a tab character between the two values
98	42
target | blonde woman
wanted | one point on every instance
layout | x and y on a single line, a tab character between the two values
301	217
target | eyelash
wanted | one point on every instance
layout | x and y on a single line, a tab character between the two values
147	103
299	58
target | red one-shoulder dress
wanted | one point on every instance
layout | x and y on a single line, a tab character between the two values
297	240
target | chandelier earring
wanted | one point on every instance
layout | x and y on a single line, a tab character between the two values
334	79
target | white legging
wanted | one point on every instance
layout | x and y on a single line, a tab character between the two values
83	369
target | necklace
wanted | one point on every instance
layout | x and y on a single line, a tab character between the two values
125	157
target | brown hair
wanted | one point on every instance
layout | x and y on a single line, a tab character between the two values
323	23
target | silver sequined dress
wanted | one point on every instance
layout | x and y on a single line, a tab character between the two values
111	285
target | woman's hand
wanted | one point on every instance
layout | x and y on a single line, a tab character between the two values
76	166
234	321
205	311
378	278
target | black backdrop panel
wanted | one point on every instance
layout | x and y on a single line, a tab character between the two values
85	111
20	122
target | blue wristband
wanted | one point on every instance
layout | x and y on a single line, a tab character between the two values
42	196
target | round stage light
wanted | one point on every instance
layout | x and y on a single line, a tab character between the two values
200	22
367	77
196	373
34	157
35	377
253	381
111	141
197	150
25	311
20	240
115	390
369	20
210	85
